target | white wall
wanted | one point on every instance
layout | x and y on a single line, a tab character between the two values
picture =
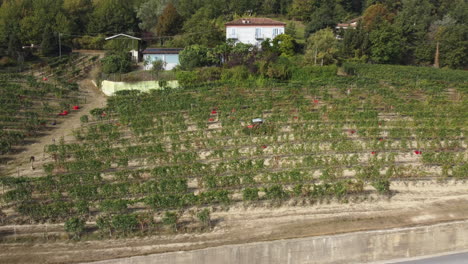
171	60
247	34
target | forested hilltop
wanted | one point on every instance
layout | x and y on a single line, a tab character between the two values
397	32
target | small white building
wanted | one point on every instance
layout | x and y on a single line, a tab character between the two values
128	42
253	30
170	57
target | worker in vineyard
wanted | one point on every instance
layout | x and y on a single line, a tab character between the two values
31	160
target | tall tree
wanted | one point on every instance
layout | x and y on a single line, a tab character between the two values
321	47
78	12
302	9
413	22
376	15
386	44
113	16
328	15
169	22
49	45
148	13
199	29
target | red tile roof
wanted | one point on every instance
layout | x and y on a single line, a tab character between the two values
255	21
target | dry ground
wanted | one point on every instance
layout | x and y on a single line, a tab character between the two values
413	203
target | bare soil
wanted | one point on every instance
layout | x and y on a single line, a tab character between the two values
411	204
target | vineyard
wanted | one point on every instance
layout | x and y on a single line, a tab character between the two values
149	160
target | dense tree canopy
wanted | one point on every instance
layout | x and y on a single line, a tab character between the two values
403	31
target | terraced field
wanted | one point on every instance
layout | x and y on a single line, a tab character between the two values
151	160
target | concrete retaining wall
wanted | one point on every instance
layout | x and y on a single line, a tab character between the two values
109	88
355	247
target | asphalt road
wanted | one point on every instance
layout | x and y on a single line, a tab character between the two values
458	258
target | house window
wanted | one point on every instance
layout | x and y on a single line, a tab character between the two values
233	32
258	33
275	32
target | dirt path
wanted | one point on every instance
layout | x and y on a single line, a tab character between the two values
20	162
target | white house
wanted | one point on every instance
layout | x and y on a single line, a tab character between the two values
253	30
169	56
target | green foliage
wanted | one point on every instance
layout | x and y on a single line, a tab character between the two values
116	63
200	29
285	44
321	48
125	223
204	217
84	119
381	185
187	78
250	194
195	56
112	16
169	22
275	192
89	42
75	227
170	219
49	44
386	44
158	67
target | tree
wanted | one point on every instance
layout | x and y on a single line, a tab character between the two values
77	12
49	45
454	47
158	67
412	23
327	15
148	13
321	47
169	22
285	44
117	63
194	56
376	15
201	30
436	31
385	44
302	9
75	227
112	17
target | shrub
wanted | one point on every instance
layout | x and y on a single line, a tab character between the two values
237	73
381	185
208	74
124	223
84	119
285	44
116	63
195	56
75	227
89	42
350	68
250	194
170	219
275	192
204	217
187	78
